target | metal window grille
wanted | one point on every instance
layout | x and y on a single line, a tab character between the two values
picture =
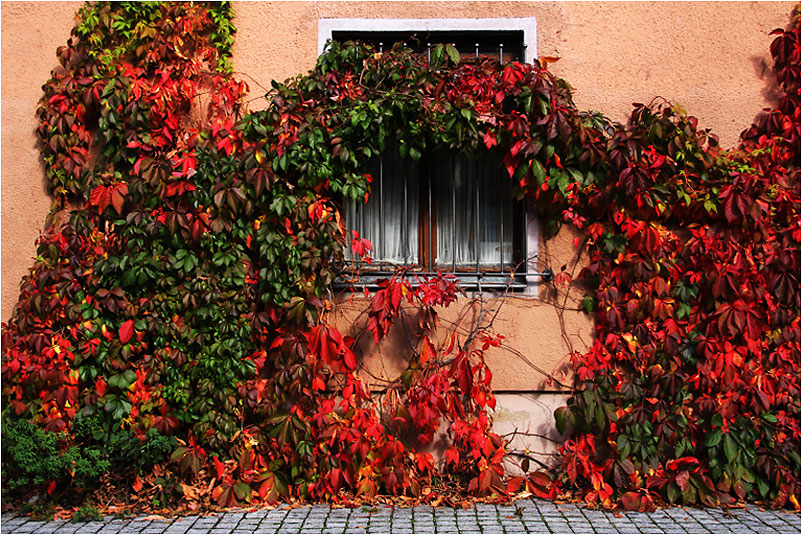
505	45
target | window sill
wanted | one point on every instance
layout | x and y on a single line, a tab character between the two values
473	280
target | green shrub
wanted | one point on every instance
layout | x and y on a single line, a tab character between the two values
86	513
33	457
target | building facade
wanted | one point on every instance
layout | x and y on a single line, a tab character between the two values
710	57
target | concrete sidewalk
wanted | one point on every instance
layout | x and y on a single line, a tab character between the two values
523	516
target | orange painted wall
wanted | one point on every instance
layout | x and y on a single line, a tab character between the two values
711	57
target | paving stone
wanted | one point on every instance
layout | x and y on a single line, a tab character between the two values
112	527
89	527
178	527
64	529
534	516
256	515
531	527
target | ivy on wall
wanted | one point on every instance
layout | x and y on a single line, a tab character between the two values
690	391
180	298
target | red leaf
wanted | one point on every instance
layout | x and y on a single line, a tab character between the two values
350	359
511	163
126	331
100	197
318	384
484	480
219	467
100	386
489	139
514	484
631	501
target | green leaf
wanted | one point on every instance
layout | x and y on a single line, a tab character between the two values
588	304
623	445
242	491
437	56
129	376
714	439
453	54
689	495
128	277
730	449
561	418
601	417
539	171
578	177
673	492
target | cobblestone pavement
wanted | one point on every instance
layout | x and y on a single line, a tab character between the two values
524	516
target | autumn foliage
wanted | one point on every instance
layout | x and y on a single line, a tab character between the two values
182	291
690	393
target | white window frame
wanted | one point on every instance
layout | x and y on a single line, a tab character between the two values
527	25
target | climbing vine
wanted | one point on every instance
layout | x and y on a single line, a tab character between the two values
181	296
690	391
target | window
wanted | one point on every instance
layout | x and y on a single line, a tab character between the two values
448	211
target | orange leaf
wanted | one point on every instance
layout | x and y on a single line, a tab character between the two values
427	351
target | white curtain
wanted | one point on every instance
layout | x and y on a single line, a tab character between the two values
471	187
390	217
472	210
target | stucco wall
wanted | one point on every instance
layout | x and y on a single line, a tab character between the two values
30	32
540	329
710	57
